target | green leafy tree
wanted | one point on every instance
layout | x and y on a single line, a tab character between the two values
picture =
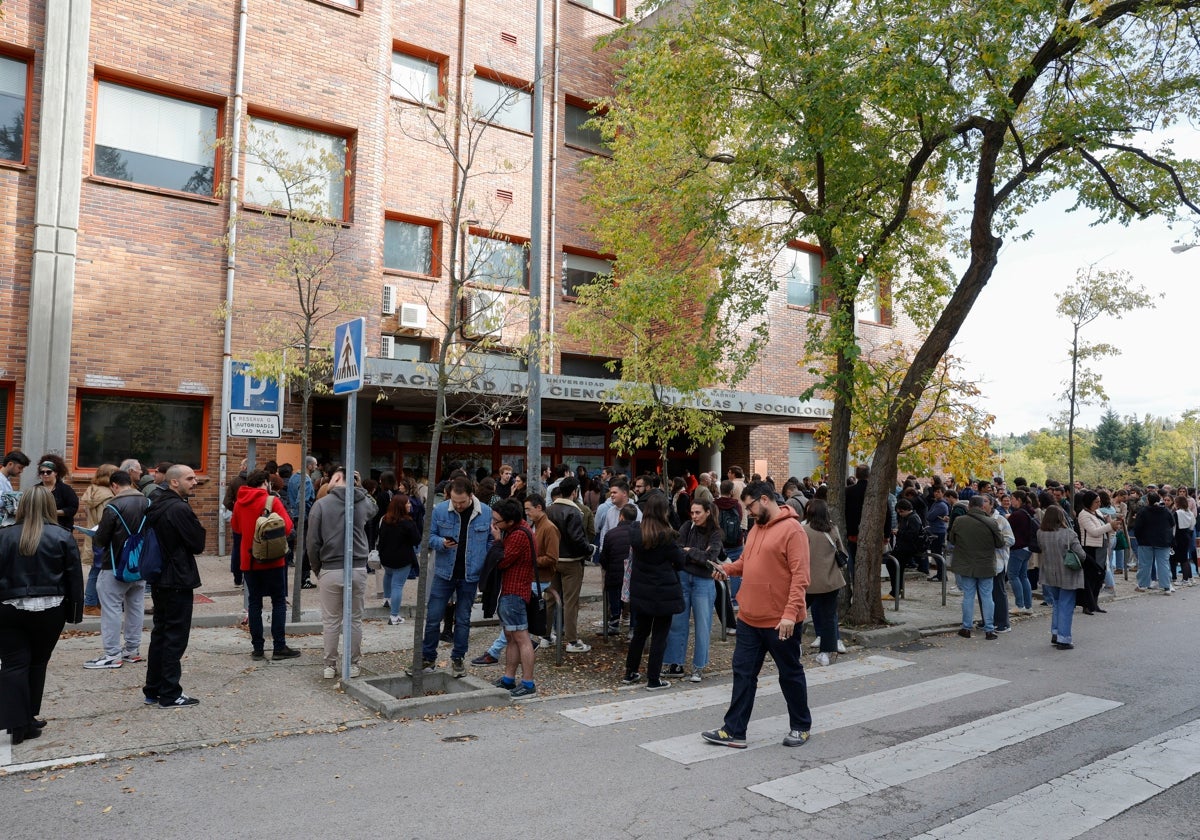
846	124
1136	438
1112	443
1095	294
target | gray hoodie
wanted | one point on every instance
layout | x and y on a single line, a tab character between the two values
326	535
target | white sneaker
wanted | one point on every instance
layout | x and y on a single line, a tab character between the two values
1170	591
355	671
329	673
577	647
826	658
103	662
695	677
815	643
841	647
395	619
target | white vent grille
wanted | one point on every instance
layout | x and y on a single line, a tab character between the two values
413	316
389	299
387	347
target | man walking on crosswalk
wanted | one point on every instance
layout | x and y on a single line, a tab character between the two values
775	573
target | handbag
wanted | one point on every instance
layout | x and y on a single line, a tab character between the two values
840	556
1122	541
1072	561
535	607
373	561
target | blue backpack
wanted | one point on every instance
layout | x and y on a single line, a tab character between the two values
141	555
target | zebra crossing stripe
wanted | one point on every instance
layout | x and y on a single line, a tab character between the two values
1085	798
765	732
823	787
715	695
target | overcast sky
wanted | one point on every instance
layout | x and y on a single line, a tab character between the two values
1016	347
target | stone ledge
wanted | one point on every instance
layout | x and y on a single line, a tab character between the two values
387	694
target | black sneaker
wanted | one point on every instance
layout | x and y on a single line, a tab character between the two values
285	653
991	637
308	584
720	736
457	668
631	679
258	654
796	738
180	702
673	670
523	690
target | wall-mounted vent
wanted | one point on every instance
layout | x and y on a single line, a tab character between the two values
389	299
508	38
413	316
504	195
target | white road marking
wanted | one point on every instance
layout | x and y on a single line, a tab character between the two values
765	732
714	695
52	762
823	787
1079	801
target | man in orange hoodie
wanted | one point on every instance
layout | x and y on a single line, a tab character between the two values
262	578
775	573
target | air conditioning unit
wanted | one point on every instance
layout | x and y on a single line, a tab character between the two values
413	316
387	347
482	313
389	299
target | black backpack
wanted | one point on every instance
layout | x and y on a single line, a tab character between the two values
731	527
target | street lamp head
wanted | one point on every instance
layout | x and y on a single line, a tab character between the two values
1179	249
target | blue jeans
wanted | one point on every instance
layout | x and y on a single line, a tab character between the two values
272	583
439	595
393	587
1018	576
1118	560
735	583
699	602
1153	558
969	587
91	598
749	652
1064	611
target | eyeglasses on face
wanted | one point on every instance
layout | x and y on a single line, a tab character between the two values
45	472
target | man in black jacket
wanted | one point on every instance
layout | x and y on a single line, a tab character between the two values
573	549
181	537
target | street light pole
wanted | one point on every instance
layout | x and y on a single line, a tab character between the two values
533	433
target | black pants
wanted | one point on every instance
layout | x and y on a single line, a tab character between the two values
27	638
657	627
822	609
271	583
168	641
1093	578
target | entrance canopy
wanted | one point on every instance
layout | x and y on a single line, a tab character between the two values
412	385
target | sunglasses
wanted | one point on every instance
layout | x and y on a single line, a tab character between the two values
45	472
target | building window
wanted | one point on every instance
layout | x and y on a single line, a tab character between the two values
114	427
497	262
801	270
289	168
155	140
14	86
612	8
6	416
581	271
869	304
802	454
417	78
503	103
579	134
412	349
410	246
590	367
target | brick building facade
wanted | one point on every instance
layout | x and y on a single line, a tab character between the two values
116	133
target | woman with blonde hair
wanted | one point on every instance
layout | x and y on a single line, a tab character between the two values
41	589
98	494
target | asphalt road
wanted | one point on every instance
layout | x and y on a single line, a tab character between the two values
951	738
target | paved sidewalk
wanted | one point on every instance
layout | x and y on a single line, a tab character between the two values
97	714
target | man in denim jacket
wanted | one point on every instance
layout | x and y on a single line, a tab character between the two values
460	535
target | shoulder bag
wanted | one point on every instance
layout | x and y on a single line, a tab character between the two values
839	555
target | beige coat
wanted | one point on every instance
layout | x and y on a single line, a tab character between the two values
826	576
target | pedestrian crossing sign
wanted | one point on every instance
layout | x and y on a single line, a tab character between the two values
349	356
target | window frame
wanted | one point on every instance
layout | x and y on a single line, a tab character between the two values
583	104
497	78
353	7
170	91
883	295
441	62
292	121
580	252
25	57
819	305
618	12
205	401
520	241
435	245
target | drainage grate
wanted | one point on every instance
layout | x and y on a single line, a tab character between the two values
914	646
459	739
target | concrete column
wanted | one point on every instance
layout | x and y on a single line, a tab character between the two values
710	458
56	225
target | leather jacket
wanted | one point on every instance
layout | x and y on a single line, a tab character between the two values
53	570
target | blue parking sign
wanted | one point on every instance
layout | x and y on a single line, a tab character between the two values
251	395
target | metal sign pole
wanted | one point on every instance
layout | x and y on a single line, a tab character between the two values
348	568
